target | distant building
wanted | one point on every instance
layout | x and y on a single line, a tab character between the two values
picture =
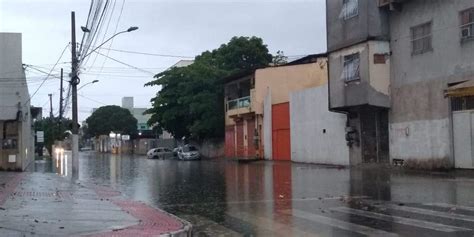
183	63
142	119
16	135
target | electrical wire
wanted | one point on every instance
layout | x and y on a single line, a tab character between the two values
107	28
126	64
115	31
47	76
93	100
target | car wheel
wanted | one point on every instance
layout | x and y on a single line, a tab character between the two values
156	157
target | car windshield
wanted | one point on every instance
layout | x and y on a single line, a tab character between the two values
189	148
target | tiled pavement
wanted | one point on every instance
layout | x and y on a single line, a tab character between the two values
35	204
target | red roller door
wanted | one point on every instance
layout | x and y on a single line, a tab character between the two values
250	135
281	144
240	139
230	141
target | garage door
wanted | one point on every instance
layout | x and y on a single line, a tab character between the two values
281	144
463	131
230	141
240	139
250	141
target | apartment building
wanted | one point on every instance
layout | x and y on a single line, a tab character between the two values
402	70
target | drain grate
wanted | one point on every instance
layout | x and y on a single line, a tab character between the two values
60	195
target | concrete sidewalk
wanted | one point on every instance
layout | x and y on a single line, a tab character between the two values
37	204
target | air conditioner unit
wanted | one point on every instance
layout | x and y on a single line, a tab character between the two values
466	32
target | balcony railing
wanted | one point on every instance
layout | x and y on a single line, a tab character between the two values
243	102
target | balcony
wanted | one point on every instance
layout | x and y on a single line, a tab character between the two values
239	106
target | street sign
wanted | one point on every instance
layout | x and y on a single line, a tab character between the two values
125	137
39	136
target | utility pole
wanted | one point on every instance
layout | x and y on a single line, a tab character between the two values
74	82
61	98
50	105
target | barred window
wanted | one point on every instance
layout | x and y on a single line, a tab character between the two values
351	68
462	103
421	38
467	24
350	8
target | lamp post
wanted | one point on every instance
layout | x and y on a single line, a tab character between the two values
74	82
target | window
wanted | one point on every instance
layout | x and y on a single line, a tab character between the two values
421	38
467	24
462	103
351	70
350	8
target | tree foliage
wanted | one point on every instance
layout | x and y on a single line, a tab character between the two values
279	58
111	118
190	102
53	130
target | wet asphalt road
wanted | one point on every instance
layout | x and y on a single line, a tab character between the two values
285	199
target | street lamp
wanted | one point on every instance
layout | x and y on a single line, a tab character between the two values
85	30
92	82
74	82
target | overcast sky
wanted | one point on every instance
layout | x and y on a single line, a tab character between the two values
171	27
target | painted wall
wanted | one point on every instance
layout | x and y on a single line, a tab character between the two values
314	129
267	125
285	79
371	22
417	81
373	86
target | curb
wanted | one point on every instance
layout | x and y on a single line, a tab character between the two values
186	231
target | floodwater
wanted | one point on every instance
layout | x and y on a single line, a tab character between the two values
226	198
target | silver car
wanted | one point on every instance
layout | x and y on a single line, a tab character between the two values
188	152
160	153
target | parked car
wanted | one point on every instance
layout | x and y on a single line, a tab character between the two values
188	152
175	151
160	153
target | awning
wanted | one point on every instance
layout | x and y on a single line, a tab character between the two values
460	90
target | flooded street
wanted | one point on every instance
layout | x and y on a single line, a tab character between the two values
288	199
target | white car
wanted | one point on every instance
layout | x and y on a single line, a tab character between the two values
160	153
188	152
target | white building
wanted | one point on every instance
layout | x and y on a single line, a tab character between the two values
16	137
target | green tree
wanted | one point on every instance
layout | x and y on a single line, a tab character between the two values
279	58
53	130
111	118
190	102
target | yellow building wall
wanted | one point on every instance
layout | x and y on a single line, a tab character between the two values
285	79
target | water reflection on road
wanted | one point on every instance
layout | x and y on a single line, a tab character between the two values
277	198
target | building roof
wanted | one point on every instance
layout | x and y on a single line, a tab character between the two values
312	58
183	63
462	89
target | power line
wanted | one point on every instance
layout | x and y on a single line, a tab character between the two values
49	74
151	54
126	64
115	32
93	100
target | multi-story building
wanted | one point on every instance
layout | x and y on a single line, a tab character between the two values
16	135
138	113
281	113
390	64
359	75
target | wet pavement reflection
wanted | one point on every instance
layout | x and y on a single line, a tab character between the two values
225	198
